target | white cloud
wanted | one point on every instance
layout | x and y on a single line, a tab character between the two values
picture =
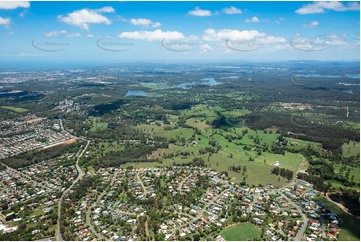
144	22
232	10
320	7
254	19
335	41
205	47
105	10
237	35
342	40
81	18
14	4
90	36
23	13
62	33
311	25
77	34
5	21
20	54
156	35
200	12
279	20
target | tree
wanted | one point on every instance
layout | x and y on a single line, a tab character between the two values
22	226
196	237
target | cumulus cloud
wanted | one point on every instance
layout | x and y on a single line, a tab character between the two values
336	41
13	4
205	47
5	21
232	10
62	33
254	19
105	10
144	22
81	18
311	25
342	40
320	7
156	35
237	35
200	12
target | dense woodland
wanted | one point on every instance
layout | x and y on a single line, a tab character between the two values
36	156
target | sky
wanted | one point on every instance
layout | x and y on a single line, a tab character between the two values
110	32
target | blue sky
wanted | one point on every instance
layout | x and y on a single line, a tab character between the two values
166	31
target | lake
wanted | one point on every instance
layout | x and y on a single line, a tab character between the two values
136	93
354	76
209	81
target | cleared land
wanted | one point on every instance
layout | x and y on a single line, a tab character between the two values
351	149
15	109
97	126
237	149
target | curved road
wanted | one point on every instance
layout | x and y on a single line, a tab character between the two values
182	182
88	214
304	217
58	236
142	184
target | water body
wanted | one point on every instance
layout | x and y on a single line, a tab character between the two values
353	76
208	81
136	93
230	77
347	91
348	84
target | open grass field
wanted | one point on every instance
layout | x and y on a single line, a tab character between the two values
198	124
15	109
351	149
97	125
232	152
351	225
296	144
354	171
107	147
154	86
241	232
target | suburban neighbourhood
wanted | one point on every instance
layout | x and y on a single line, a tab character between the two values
165	203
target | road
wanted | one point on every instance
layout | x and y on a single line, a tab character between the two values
304	217
12	170
88	214
255	199
203	210
199	213
126	213
182	182
141	183
61	124
58	236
